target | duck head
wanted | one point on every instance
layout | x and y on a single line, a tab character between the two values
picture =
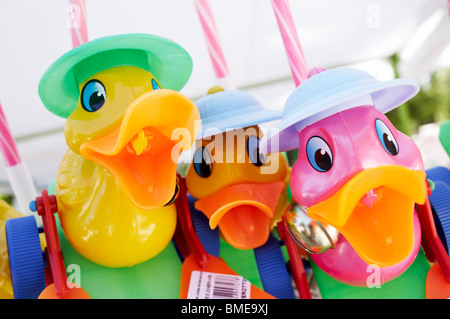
235	185
119	95
355	171
124	122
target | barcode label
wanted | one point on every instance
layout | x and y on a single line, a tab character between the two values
208	285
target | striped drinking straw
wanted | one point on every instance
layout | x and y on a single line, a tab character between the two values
299	71
294	51
213	44
17	172
77	22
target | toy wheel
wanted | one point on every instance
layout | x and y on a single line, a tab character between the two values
440	199
26	260
209	238
273	271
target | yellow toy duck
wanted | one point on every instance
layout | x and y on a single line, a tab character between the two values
116	183
7	212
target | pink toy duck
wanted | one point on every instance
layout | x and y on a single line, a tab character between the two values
354	171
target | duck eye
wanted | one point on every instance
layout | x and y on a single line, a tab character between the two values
386	137
93	96
256	157
155	85
175	194
319	154
203	162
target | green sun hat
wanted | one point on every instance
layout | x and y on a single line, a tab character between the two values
165	59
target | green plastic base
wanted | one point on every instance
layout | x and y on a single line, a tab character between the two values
444	136
409	285
157	278
242	261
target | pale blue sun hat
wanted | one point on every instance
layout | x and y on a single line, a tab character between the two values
223	111
327	92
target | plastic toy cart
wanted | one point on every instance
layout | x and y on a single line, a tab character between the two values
429	275
34	271
264	266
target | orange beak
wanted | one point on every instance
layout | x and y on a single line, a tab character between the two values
380	230
243	212
141	152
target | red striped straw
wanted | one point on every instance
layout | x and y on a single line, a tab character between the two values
212	38
19	177
77	22
292	45
7	143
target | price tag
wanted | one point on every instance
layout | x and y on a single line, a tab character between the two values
209	285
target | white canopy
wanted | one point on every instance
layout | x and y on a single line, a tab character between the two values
332	33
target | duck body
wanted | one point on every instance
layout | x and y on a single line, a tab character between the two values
355	171
236	193
117	182
107	229
382	221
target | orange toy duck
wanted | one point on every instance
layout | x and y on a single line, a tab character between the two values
236	187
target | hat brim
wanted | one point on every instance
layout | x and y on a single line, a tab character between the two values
385	96
238	121
165	59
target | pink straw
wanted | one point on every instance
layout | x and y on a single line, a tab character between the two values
77	22
7	144
212	38
288	32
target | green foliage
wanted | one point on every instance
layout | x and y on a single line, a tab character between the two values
7	198
430	105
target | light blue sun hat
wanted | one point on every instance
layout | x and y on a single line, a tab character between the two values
223	111
327	92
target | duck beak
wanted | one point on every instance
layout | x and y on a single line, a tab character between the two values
374	212
243	212
141	152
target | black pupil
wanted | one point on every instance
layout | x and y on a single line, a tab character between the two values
175	195
203	168
256	157
96	100
323	159
390	145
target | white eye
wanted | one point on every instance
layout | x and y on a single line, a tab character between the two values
155	85
93	96
203	162
386	137
256	157
319	154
